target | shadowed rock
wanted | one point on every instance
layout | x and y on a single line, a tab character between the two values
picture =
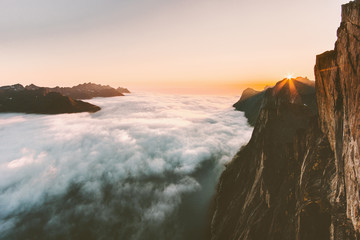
39	100
123	90
301	90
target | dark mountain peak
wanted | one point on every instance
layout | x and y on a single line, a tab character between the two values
15	87
35	99
295	91
247	93
87	91
299	91
40	100
32	87
123	90
93	86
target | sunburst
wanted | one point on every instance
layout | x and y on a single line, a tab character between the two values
289	81
289	76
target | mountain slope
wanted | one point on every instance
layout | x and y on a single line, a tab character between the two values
300	89
87	91
18	99
298	176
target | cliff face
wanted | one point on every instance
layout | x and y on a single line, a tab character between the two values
277	186
250	104
298	177
338	89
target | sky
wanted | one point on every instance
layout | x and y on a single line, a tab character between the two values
172	46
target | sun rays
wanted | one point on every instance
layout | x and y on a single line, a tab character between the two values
290	76
288	83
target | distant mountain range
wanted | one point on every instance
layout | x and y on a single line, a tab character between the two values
85	90
44	100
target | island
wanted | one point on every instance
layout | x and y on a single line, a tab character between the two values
58	100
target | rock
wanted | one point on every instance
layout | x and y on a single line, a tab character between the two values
40	100
250	103
338	85
32	87
87	91
263	189
298	177
301	90
16	87
123	90
247	93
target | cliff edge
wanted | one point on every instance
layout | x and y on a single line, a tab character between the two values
298	177
338	90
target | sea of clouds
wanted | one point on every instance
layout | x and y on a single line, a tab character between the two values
144	167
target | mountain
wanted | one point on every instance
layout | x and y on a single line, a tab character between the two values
250	103
35	99
298	177
32	99
302	90
89	90
123	90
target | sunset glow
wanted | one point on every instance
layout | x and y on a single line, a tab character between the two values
179	119
293	90
289	76
162	46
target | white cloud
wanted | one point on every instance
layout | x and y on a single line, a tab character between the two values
129	167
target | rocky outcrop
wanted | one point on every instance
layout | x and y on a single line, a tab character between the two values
276	186
250	104
302	90
16	98
123	90
338	90
298	177
44	100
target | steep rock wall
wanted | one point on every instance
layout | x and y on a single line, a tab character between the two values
338	90
299	176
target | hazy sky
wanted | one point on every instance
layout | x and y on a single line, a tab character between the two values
189	46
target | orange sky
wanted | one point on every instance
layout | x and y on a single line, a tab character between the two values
201	46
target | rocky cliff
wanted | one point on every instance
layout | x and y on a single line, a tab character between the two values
251	101
250	104
298	177
33	99
338	90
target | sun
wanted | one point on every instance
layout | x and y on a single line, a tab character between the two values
289	76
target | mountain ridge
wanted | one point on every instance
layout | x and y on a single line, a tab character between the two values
297	178
251	100
85	90
45	100
17	98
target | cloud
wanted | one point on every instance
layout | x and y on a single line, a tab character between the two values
144	167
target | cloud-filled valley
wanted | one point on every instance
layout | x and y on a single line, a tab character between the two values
144	167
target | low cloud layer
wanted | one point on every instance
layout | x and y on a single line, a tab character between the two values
144	167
